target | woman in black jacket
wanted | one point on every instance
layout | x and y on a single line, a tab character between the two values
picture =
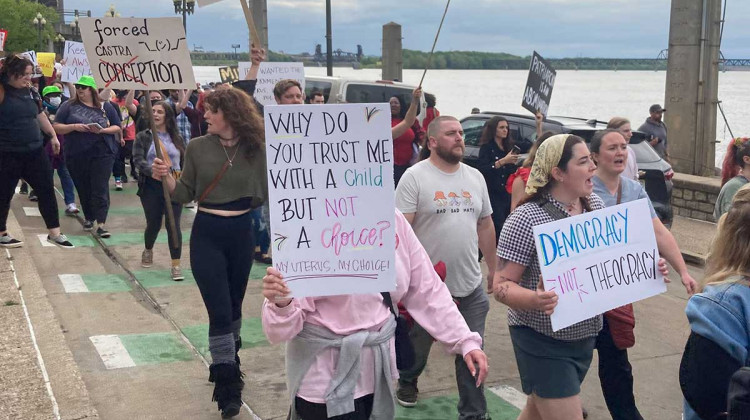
151	191
497	161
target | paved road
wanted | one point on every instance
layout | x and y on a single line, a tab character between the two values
138	341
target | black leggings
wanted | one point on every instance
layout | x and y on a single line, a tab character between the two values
312	411
152	200
221	256
34	168
125	152
90	171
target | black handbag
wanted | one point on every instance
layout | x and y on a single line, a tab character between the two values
405	356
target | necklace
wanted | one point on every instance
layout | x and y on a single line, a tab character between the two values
227	154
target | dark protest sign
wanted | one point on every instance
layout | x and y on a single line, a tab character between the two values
599	261
229	74
331	197
539	85
138	53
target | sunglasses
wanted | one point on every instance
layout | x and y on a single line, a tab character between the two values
81	87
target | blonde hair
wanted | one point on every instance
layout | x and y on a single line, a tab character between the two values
616	122
730	253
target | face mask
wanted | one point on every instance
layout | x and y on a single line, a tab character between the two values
55	101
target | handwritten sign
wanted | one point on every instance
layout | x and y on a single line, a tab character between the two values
539	85
599	261
31	56
76	63
228	74
271	73
3	37
331	196
138	53
46	62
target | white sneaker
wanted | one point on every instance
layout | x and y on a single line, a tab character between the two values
71	210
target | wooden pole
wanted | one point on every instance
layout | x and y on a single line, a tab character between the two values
432	51
251	25
157	147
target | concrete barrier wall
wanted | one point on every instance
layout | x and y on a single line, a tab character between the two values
695	196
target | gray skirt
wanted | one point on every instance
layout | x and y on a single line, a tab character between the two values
550	368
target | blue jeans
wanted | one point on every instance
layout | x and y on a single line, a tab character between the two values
471	401
67	183
260	227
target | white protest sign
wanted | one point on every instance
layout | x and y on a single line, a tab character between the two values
76	63
3	37
271	73
31	55
138	53
599	261
331	196
243	67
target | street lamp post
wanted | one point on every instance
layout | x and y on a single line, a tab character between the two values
60	43
39	21
74	27
111	12
186	7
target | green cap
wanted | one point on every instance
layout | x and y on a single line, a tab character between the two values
87	81
50	89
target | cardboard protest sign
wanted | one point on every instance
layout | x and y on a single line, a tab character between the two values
138	53
76	63
3	37
599	261
228	74
271	73
31	55
331	195
46	62
539	85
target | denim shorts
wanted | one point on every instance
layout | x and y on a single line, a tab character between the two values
550	368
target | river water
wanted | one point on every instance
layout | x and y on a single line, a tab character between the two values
584	94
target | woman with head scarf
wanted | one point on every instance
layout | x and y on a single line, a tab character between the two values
552	364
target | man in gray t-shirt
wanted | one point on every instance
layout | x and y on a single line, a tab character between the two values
449	208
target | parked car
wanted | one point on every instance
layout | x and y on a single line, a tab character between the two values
654	172
338	90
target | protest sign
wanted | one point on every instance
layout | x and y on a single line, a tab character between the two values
76	63
228	74
3	37
31	55
331	196
271	73
599	261
539	85
138	53
46	62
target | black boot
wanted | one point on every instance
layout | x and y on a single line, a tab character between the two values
237	347
228	388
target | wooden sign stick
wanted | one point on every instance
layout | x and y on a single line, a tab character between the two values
157	148
251	24
432	51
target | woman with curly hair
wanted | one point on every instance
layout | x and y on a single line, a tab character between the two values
735	172
225	173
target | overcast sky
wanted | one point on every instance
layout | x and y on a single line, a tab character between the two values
555	28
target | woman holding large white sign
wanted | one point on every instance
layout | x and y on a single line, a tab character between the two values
552	364
609	149
225	172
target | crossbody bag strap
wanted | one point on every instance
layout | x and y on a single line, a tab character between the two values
388	302
214	182
619	192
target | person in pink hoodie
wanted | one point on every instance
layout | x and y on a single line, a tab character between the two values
340	355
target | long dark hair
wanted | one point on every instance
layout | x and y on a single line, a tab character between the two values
489	131
170	122
241	114
14	66
402	112
567	155
94	97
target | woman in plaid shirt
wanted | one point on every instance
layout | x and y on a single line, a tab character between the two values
552	365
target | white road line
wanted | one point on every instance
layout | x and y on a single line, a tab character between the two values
112	351
39	358
73	283
32	211
43	240
510	394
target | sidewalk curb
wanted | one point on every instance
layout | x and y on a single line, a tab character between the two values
693	258
68	389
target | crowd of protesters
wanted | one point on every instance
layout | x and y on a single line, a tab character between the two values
211	152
